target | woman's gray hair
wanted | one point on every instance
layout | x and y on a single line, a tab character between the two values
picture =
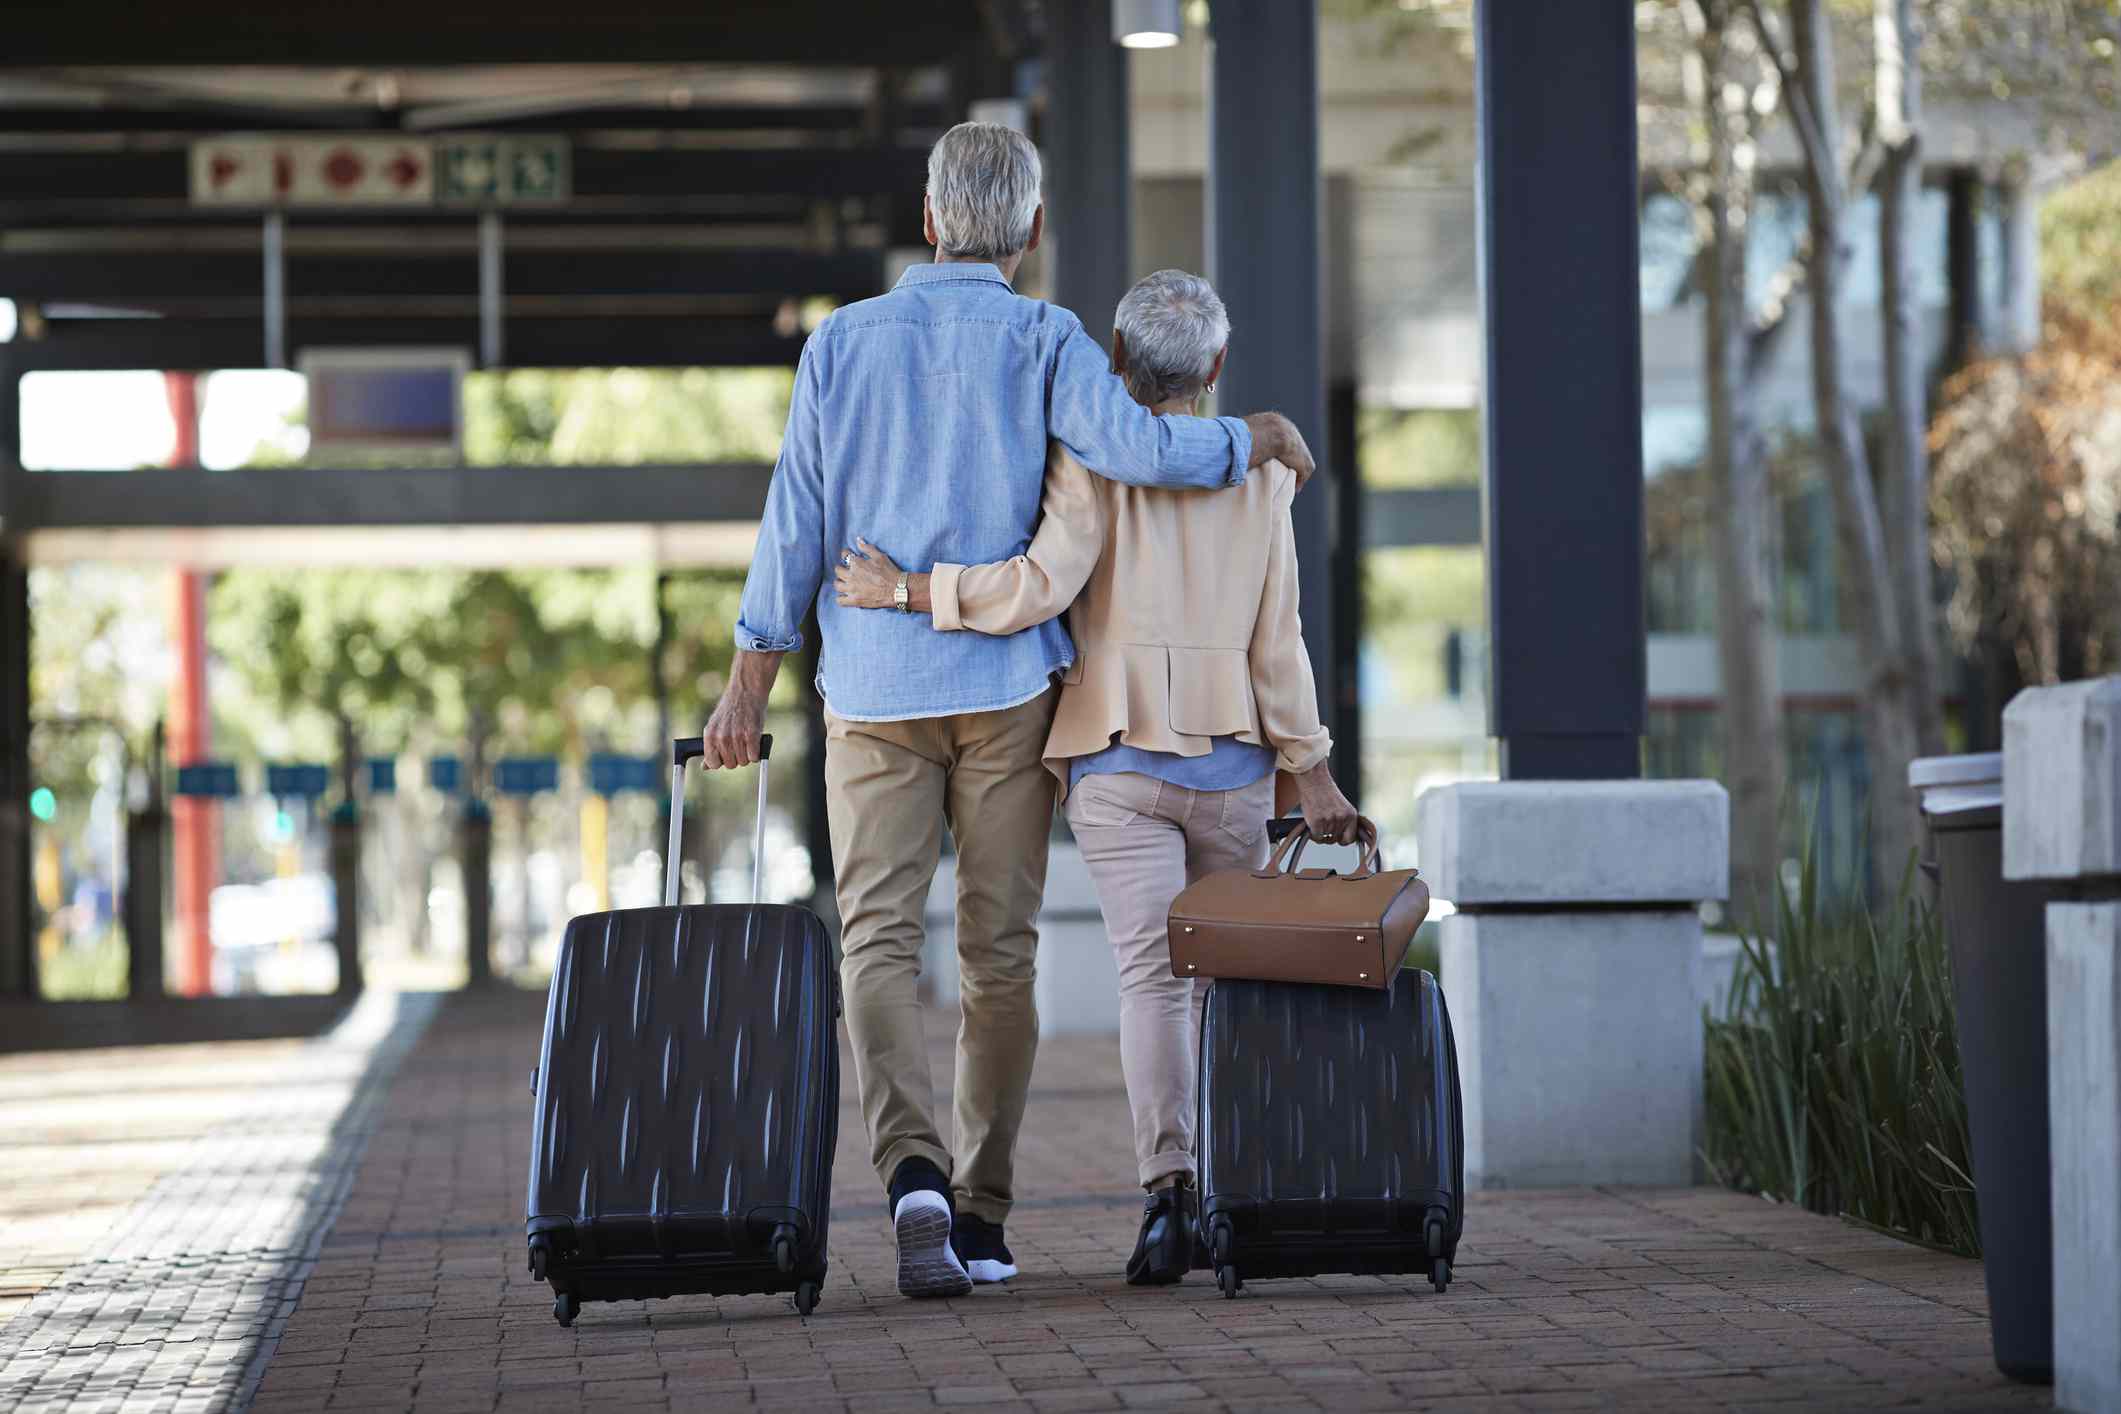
983	183
1174	324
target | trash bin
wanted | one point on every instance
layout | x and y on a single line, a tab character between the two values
1997	934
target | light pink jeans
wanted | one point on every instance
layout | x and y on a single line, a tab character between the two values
1145	840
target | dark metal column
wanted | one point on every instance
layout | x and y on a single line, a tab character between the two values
1089	173
18	958
1562	413
1266	206
1962	264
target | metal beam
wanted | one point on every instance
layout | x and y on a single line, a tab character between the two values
1266	252
637	341
339	498
160	276
1089	177
214	119
1562	412
409	32
596	172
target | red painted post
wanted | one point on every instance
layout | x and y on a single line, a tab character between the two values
194	823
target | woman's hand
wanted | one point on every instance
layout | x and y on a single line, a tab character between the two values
1330	814
866	578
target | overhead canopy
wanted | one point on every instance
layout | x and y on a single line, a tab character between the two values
329	167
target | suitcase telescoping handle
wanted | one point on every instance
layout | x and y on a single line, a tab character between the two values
691	748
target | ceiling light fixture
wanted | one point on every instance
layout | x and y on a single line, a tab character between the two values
1146	24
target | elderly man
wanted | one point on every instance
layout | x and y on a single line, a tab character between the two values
925	413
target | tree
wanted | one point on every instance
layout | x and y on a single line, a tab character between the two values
1882	510
1733	92
2028	457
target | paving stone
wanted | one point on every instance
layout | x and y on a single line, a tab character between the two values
416	1297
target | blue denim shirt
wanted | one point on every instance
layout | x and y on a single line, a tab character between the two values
919	421
1229	765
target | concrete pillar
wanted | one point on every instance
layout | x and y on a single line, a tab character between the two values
2062	820
1573	966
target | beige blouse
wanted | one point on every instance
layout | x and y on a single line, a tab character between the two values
1182	605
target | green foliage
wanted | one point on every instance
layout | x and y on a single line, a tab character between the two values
2080	247
1834	1083
1418	447
624	416
555	660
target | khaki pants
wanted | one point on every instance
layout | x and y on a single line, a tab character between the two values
1143	841
889	789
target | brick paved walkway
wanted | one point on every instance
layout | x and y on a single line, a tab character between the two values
162	1206
1563	1300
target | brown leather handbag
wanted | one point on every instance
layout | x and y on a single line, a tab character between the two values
1285	923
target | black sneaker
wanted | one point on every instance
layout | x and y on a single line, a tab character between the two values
921	1221
979	1245
1163	1252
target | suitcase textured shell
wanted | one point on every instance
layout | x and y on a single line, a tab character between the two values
1330	1131
687	1104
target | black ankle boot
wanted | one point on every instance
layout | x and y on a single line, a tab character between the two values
1163	1252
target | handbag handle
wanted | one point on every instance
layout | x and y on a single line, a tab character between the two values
1288	855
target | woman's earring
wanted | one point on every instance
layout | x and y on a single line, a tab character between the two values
1210	390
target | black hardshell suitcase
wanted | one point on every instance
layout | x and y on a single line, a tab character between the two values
687	1098
1330	1131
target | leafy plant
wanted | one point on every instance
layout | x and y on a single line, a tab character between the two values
1834	1083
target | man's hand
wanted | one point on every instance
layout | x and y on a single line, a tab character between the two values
1275	438
1330	814
731	735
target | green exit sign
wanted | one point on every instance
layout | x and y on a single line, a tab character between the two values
495	171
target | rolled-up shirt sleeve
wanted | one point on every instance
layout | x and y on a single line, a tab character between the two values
788	564
1090	412
1007	596
1282	685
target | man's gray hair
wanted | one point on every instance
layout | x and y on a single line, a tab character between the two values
1174	324
983	184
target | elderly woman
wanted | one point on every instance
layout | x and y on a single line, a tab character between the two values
1190	687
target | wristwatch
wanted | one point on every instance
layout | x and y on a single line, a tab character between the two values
900	599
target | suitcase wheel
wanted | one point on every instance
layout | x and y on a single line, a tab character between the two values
1219	1242
565	1307
784	1249
806	1298
1434	1233
538	1257
1440	1275
1227	1278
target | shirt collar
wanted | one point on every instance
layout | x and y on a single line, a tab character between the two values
934	272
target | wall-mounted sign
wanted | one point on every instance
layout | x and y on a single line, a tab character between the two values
526	775
382	775
352	170
297	780
445	774
611	774
208	780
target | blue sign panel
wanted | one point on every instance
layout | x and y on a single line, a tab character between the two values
445	773
611	774
297	780
526	775
382	775
209	780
